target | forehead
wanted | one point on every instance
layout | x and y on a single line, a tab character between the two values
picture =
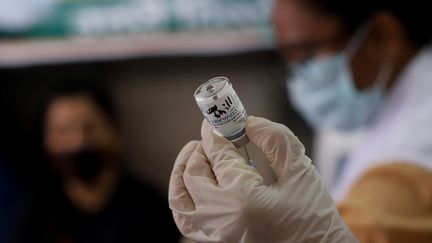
74	107
296	22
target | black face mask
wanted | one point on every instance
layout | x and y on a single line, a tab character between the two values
84	164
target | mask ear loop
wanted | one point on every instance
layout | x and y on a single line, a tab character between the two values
353	47
356	41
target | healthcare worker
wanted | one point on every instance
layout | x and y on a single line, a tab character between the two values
361	74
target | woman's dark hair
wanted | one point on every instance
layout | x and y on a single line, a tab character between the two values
93	90
413	14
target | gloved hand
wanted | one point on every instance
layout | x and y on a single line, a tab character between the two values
216	197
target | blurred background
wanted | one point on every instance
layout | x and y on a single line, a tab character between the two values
150	55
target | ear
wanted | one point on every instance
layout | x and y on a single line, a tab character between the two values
387	36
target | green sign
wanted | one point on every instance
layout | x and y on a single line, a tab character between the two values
111	17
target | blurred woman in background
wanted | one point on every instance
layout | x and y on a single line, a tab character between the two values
87	196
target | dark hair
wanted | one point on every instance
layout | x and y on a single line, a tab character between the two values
413	14
98	95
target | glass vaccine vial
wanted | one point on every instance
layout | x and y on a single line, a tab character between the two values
222	108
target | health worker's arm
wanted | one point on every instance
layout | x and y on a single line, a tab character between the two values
391	203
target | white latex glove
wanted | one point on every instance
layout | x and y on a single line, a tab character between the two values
216	197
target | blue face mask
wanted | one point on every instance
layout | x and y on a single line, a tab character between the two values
323	90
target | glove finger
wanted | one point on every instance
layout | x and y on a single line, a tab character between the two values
205	128
199	177
178	195
199	166
227	164
283	149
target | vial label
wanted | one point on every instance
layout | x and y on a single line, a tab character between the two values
226	114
